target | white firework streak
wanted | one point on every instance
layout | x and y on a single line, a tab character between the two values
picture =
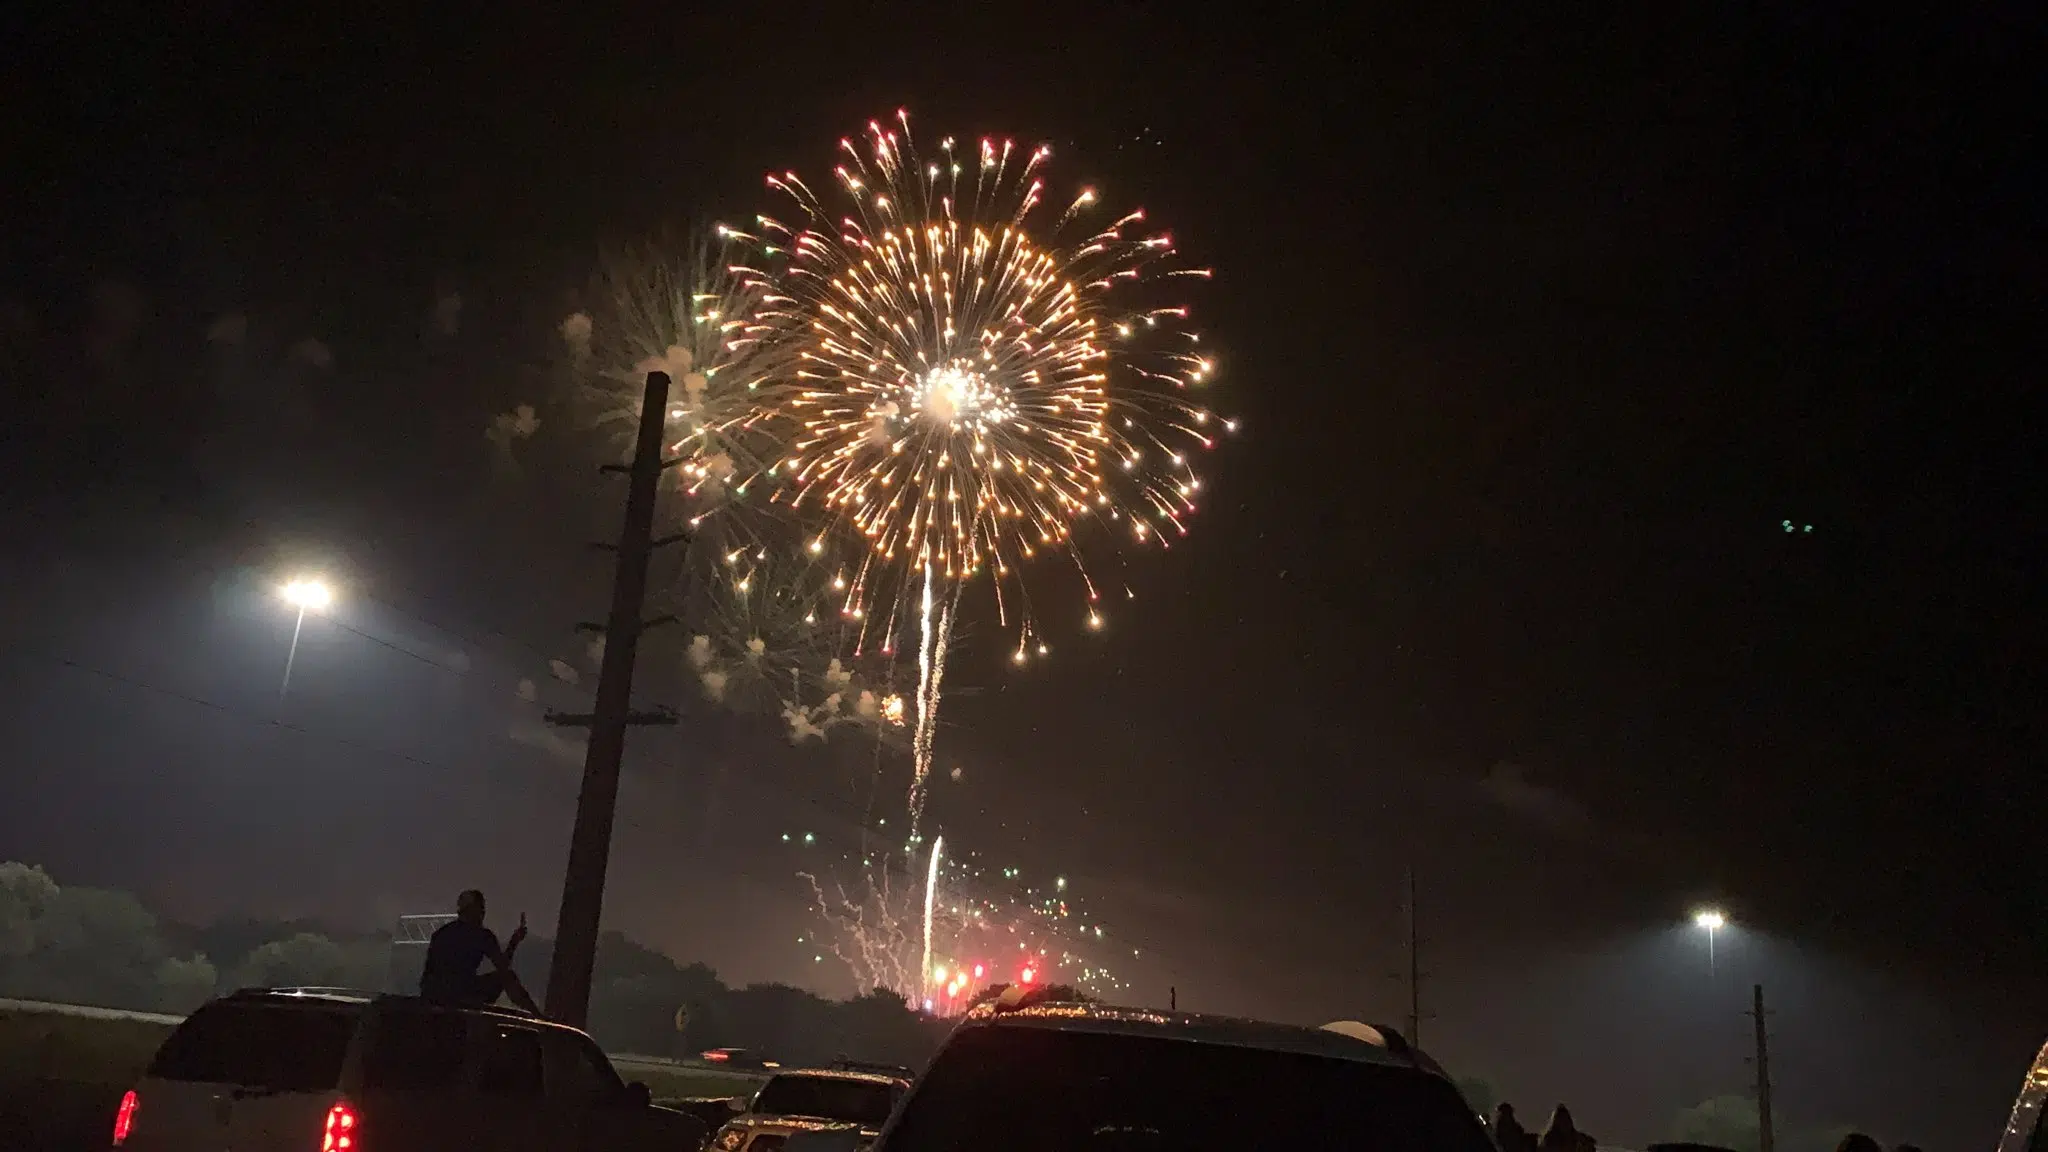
934	636
931	892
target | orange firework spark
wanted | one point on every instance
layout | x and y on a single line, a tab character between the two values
969	384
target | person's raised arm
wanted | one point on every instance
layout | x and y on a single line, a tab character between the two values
502	957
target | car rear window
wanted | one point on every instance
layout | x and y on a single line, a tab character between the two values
1018	1089
283	1047
861	1102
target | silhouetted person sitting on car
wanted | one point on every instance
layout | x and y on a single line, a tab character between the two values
1508	1133
1562	1135
459	948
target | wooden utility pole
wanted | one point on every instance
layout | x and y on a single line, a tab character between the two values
590	845
1414	966
1765	1137
1414	976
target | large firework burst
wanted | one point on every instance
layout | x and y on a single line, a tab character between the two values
971	381
974	377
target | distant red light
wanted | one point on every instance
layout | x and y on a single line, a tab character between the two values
340	1132
124	1120
717	1057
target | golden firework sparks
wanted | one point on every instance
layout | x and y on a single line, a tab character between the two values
972	379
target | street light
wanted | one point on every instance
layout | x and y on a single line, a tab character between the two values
1713	921
301	594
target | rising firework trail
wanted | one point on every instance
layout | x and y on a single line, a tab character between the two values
931	894
972	377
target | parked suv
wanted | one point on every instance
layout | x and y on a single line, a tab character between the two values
1029	1076
2026	1130
298	1069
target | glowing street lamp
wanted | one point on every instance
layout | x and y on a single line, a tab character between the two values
1713	921
302	594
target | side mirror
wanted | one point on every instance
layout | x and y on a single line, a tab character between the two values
844	1139
636	1095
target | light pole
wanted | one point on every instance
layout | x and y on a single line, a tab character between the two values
301	594
1713	921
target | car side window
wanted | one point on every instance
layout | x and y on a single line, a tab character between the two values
416	1050
511	1061
578	1073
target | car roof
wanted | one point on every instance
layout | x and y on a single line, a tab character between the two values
358	998
839	1074
1363	1043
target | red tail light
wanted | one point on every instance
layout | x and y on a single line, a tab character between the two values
340	1135
716	1057
124	1120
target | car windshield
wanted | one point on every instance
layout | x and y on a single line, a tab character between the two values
863	1102
284	1047
1030	1090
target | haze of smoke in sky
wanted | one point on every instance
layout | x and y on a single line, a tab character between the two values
1508	785
509	428
593	652
117	311
448	313
17	320
575	330
313	354
528	691
229	330
458	661
564	744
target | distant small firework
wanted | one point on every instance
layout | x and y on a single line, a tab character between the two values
937	934
766	640
970	380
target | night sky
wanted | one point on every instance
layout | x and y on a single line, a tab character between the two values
1541	333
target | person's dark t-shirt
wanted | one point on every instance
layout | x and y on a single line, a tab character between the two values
457	949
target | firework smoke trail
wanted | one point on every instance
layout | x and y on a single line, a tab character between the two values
871	934
967	381
933	639
931	892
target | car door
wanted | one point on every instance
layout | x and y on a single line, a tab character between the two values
511	1087
416	1081
593	1111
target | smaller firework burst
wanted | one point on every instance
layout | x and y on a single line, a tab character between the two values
678	307
769	641
987	926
